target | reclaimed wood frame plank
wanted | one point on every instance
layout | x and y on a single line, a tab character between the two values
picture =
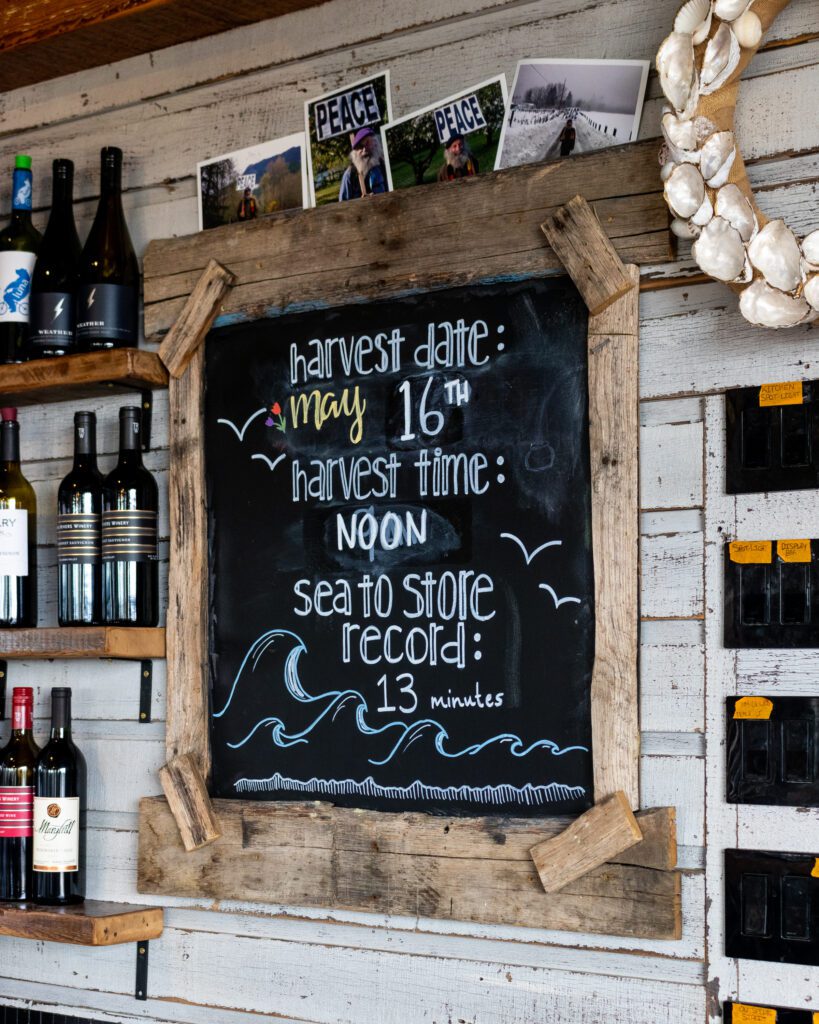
464	869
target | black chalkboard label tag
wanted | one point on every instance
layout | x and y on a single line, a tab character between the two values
402	585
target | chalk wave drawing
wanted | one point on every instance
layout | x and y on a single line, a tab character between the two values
534	796
529	555
241	433
398	735
558	600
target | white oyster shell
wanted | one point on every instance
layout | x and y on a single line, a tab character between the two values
720	60
684	190
681	138
734	207
694	18
774	251
768	307
704	214
811	291
719	251
704	128
666	169
729	10
675	66
716	157
748	30
684	228
810	248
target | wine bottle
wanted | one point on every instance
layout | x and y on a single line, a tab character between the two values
19	243
109	272
79	519
17	760
59	811
55	279
18	531
130	581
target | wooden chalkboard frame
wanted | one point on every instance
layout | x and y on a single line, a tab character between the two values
644	891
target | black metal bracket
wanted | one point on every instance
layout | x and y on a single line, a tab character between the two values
4	671
147	404
146	678
141	985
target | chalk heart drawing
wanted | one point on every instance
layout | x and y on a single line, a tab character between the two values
396	736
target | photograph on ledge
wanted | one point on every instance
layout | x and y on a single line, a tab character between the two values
456	137
343	142
252	182
564	107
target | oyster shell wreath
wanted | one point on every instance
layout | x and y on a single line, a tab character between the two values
705	183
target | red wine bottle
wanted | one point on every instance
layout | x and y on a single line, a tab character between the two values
59	811
18	531
17	761
130	570
109	273
19	243
79	517
55	279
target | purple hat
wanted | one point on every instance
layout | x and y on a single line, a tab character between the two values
360	135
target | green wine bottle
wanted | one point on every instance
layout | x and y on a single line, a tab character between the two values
19	243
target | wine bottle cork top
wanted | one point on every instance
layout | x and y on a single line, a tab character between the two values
8	413
22	161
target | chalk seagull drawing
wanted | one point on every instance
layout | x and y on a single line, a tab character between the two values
271	463
398	736
558	600
241	433
529	555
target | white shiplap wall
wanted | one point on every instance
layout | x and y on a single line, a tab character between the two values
231	962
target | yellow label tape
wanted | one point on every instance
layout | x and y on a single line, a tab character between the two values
750	552
753	707
793	550
742	1013
815	869
789	392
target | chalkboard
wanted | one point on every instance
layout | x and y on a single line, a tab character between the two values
401	574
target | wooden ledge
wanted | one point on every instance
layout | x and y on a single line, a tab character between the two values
85	375
92	923
131	642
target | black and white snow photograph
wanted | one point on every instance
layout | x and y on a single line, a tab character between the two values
563	107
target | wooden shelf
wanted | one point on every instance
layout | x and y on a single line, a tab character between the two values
39	41
132	642
86	375
92	923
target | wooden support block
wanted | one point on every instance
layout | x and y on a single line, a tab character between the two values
613	429
593	839
198	313
188	799
575	234
658	847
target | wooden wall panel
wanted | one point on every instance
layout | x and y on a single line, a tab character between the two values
166	109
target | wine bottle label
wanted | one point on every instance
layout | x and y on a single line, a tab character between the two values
15	285
78	538
21	191
129	536
56	833
52	317
16	811
13	542
107	312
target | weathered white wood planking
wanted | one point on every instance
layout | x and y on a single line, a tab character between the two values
789	673
671	565
670	472
299	37
178	124
672	668
368	987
